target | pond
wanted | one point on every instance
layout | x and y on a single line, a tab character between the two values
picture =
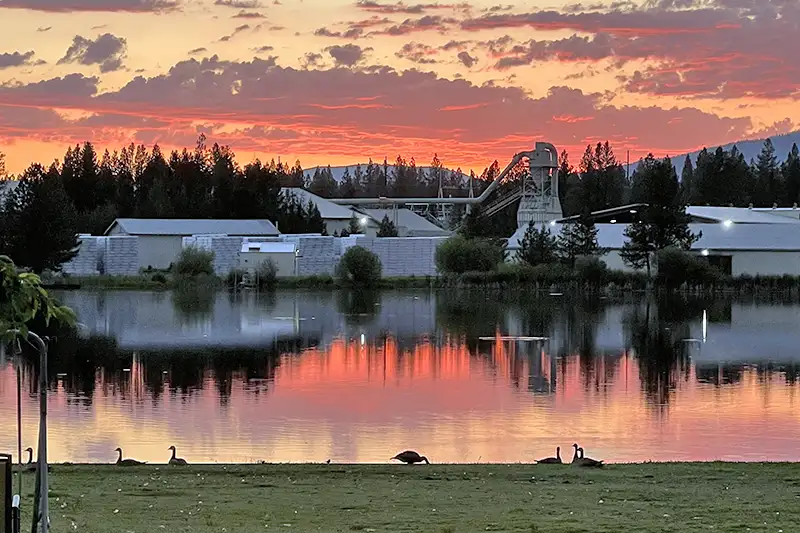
358	377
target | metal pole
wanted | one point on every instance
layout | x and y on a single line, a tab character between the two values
19	422
44	513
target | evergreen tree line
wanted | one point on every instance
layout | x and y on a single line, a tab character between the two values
84	192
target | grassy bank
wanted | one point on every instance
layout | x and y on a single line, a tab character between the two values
657	497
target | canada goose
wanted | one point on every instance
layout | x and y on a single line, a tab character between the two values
410	457
30	455
575	456
552	460
126	462
176	460
586	461
29	466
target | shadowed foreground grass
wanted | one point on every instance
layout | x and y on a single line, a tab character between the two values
657	497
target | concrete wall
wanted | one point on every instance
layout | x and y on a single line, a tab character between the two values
158	251
283	261
114	256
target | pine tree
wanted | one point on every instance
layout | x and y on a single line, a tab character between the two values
687	181
578	239
663	222
39	222
314	221
349	186
769	186
2	165
538	246
790	171
354	227
387	228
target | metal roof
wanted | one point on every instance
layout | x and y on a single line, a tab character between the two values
269	247
740	215
721	237
405	218
327	209
187	227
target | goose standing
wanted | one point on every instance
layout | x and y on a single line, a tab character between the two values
588	462
177	461
552	460
126	462
575	456
410	457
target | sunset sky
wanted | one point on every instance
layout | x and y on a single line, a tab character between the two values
339	81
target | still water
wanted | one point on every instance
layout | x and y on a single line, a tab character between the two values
358	377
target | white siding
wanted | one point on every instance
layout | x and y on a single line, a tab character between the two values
765	263
337	225
285	262
158	251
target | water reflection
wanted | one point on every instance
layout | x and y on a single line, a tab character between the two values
357	376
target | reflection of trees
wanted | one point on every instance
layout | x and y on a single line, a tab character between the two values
659	349
194	302
358	306
470	312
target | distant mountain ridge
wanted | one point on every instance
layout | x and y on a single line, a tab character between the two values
749	148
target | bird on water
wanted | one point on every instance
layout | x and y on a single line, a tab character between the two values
126	462
587	461
552	460
177	461
410	457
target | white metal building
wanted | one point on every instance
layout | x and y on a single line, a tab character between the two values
738	248
337	217
282	254
408	223
742	215
161	239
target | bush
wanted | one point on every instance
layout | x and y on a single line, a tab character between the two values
458	255
267	275
676	267
159	278
194	261
359	266
591	269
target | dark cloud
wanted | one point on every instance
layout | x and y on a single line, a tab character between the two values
262	49
466	59
234	33
62	6
690	48
195	51
248	15
44	29
15	59
426	23
412	9
418	53
353	111
108	51
348	55
238	4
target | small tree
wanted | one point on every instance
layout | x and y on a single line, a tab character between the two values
359	266
578	239
387	228
314	220
354	227
538	246
22	298
195	261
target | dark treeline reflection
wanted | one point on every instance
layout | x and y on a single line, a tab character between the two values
591	332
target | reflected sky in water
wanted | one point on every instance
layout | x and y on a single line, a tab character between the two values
358	377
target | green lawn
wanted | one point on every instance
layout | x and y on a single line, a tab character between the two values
657	497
